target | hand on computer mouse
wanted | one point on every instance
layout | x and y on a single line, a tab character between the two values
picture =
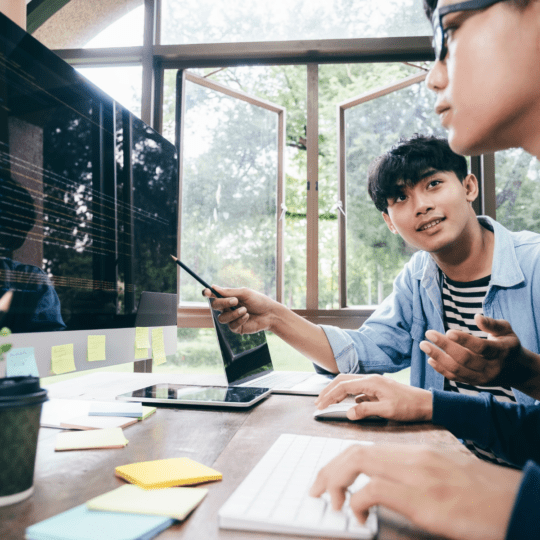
378	396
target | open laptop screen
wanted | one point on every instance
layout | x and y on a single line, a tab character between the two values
244	356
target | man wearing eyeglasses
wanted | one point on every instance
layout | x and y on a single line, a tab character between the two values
487	80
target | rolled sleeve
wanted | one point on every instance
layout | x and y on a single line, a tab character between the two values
343	349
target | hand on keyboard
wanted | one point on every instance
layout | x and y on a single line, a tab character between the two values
432	489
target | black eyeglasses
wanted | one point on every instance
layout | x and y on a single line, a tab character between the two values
439	33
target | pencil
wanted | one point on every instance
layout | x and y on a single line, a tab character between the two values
198	278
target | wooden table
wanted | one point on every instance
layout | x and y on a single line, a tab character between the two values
232	441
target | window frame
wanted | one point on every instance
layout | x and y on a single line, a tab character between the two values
155	58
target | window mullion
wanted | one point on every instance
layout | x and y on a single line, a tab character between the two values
312	136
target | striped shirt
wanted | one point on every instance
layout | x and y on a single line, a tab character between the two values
462	301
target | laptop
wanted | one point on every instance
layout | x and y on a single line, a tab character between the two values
247	362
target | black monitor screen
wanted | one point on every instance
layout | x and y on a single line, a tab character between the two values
88	197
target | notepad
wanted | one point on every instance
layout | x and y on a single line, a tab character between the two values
80	523
141	338
89	440
115	408
167	473
98	422
174	502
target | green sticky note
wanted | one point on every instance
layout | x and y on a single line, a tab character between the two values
158	346
141	338
62	359
96	348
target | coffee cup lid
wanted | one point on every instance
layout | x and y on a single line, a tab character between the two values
21	389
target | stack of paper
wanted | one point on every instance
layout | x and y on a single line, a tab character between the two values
80	523
167	473
89	440
73	414
170	502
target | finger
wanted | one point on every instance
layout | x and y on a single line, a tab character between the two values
447	366
236	326
495	327
404	499
348	387
228	317
452	356
368	408
327	389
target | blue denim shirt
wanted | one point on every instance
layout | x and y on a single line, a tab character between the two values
389	340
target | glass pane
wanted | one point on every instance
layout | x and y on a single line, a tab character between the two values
374	255
94	24
517	187
229	191
285	86
123	84
222	21
337	83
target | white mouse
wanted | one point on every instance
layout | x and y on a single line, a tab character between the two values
338	411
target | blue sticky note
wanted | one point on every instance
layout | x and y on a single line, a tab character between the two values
21	362
80	523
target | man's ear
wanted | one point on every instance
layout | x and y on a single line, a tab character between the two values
388	222
470	183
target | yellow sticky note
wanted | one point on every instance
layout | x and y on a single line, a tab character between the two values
158	346
96	348
141	354
176	503
94	438
62	359
141	338
167	473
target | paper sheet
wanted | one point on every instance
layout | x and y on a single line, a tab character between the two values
174	502
116	408
141	338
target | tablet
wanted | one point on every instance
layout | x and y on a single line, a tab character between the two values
203	396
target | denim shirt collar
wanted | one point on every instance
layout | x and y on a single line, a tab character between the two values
505	269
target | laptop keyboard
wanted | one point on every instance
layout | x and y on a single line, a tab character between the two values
278	380
274	496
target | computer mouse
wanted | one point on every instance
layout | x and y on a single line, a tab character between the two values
338	411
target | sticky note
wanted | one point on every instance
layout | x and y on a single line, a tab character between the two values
170	502
80	523
167	473
87	440
158	346
97	422
20	362
141	354
141	338
96	348
62	359
147	411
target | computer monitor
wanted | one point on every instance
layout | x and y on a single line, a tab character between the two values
88	211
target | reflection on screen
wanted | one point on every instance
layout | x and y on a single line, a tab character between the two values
244	355
88	205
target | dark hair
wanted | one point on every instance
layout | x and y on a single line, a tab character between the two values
406	163
431	5
17	213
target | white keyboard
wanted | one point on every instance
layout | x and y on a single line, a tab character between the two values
274	496
280	379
